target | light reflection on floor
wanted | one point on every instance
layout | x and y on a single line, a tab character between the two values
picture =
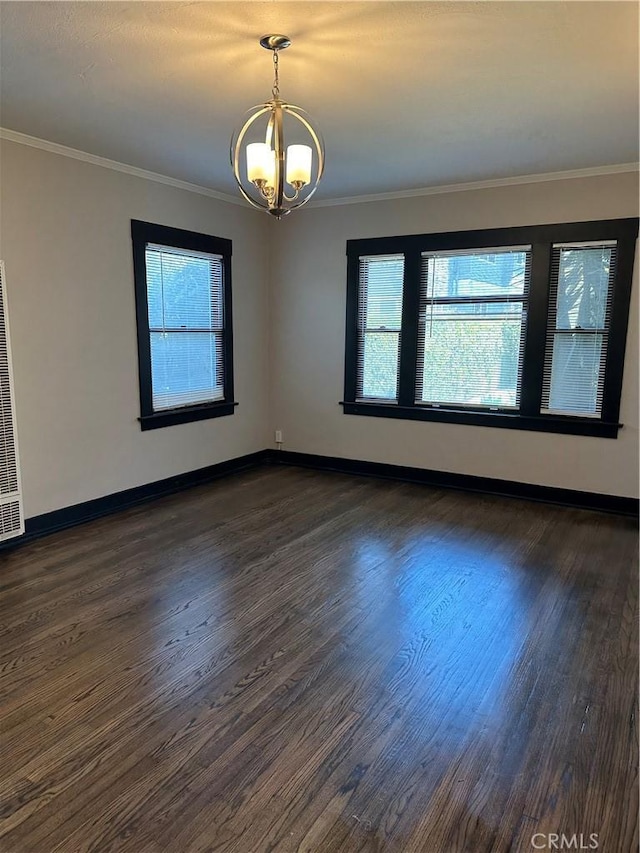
427	589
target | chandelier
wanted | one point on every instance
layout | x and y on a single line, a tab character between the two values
267	170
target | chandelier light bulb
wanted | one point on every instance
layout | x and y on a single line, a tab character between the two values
261	164
299	158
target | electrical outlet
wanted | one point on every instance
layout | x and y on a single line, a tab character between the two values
278	436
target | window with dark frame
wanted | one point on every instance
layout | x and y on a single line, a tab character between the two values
472	325
521	328
183	306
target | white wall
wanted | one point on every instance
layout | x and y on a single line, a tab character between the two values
308	283
65	230
65	240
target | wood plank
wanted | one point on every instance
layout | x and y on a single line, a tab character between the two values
288	660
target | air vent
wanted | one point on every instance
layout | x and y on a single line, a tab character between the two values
11	514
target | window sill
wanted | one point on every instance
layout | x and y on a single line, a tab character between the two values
186	414
501	420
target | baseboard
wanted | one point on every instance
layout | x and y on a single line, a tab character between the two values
70	516
465	482
59	519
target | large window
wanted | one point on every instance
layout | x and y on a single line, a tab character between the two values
519	327
472	324
183	299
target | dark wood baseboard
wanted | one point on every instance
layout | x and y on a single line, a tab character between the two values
59	519
466	482
70	516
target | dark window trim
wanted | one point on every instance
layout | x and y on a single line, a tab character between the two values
564	232
143	233
475	417
408	361
617	342
541	238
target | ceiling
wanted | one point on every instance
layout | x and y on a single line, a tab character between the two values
407	94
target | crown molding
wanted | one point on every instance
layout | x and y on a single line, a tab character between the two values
95	160
481	185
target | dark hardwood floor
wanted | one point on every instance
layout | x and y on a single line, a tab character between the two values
287	660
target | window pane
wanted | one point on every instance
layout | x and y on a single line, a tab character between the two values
183	290
471	354
380	374
186	368
471	310
583	285
154	289
575	374
381	283
580	299
379	321
477	274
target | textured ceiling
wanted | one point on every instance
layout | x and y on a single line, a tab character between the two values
407	94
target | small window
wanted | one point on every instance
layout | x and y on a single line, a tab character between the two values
183	297
379	321
580	304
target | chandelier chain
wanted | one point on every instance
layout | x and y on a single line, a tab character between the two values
275	91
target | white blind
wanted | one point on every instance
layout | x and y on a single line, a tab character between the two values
379	323
472	323
186	326
580	299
